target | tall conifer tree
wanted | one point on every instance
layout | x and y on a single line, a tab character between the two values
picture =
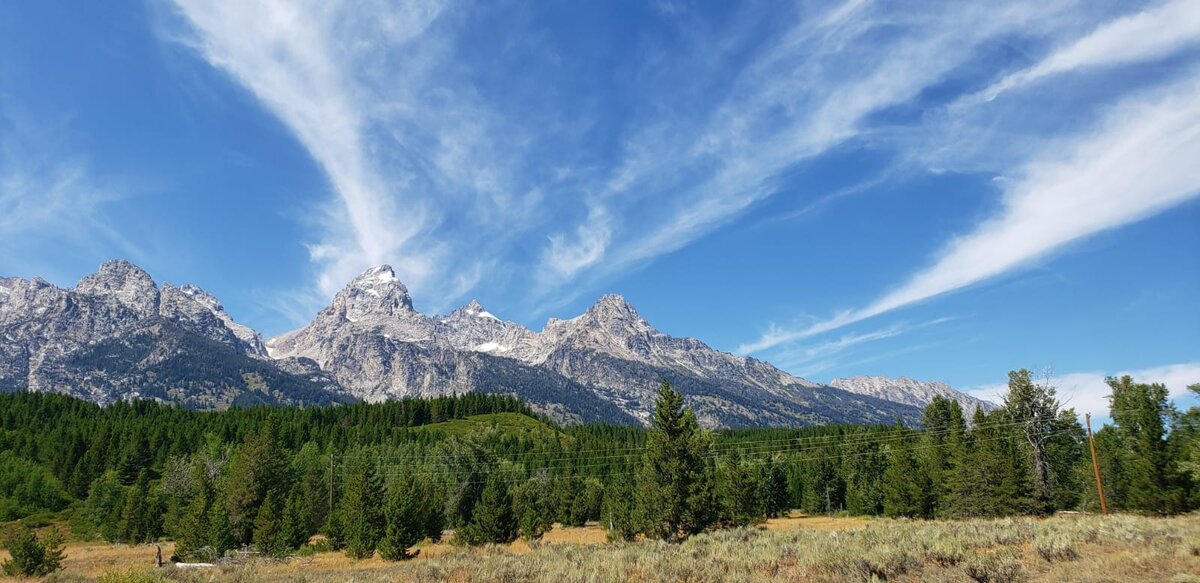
674	494
360	512
403	517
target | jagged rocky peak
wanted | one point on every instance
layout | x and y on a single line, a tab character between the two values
613	306
255	345
127	283
377	292
206	299
474	310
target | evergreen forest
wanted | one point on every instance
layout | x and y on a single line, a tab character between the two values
378	478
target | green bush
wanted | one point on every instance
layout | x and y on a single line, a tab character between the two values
33	556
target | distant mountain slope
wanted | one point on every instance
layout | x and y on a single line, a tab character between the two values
911	392
377	346
116	335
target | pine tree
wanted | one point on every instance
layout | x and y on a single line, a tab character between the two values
333	530
220	534
403	518
862	468
737	493
135	457
990	476
1035	407
673	489
824	486
945	452
432	506
533	505
1066	452
311	471
492	519
133	528
104	505
360	511
266	527
1188	433
587	502
566	488
294	528
772	489
617	510
31	556
193	530
260	466
906	487
1149	480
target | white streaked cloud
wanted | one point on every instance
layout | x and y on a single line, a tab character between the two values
455	186
813	358
1151	34
807	92
1140	160
1087	392
804	355
294	59
426	174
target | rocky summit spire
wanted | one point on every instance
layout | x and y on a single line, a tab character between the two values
613	306
376	292
127	283
476	310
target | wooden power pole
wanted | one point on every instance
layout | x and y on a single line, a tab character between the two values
1095	464
330	509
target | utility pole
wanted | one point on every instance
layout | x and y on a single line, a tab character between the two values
1095	463
330	509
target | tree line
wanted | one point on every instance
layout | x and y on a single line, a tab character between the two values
381	477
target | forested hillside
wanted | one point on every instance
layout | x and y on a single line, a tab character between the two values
382	476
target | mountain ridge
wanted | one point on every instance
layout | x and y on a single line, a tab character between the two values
911	391
117	335
377	346
370	343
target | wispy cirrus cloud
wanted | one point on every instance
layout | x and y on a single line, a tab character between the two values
48	192
292	57
812	88
813	358
424	171
1139	160
435	170
1153	33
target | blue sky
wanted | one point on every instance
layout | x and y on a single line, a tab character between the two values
939	190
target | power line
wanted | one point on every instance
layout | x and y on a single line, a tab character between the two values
636	450
744	447
515	477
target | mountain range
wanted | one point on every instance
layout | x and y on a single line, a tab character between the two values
118	335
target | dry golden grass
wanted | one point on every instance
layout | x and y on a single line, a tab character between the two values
92	560
796	548
796	520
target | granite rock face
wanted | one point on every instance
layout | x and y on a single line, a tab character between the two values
911	392
117	335
372	341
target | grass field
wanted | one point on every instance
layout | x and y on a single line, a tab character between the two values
798	548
